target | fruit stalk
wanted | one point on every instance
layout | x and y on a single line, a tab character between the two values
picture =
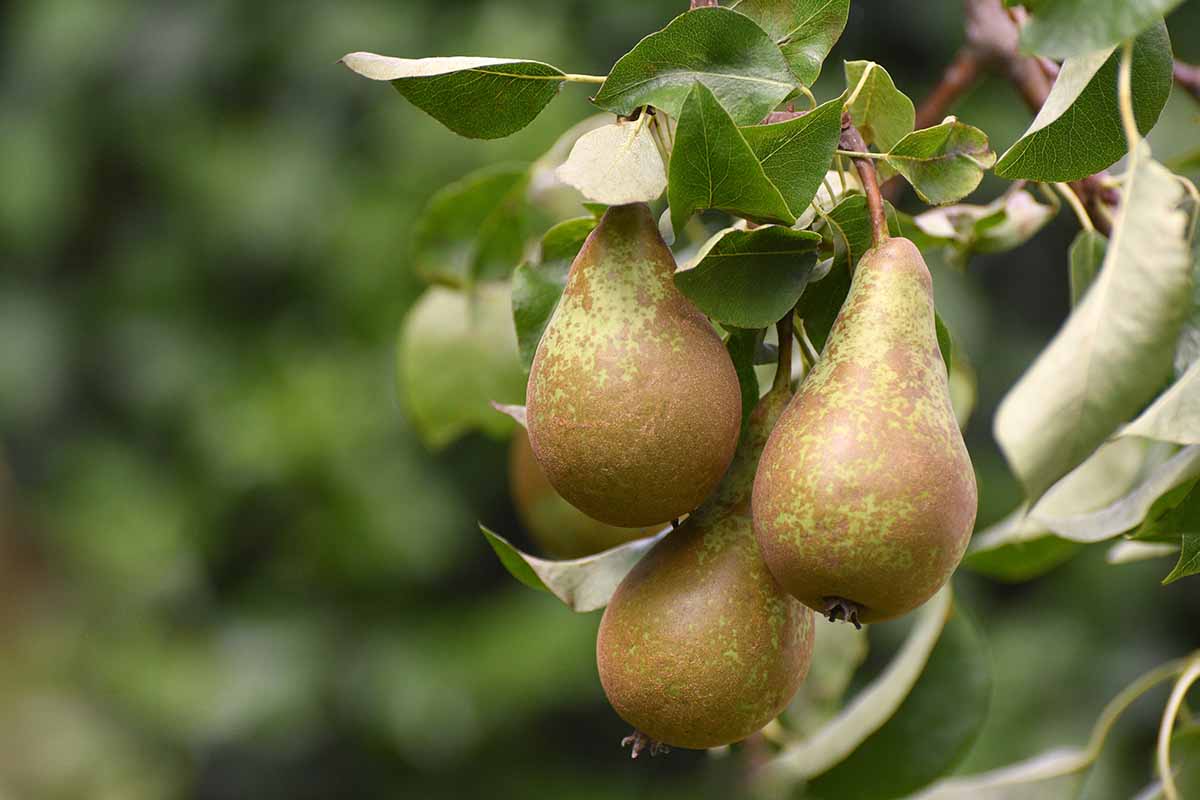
852	141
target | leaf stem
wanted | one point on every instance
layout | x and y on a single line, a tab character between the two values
861	154
1076	205
812	100
783	372
807	351
1125	96
852	144
1185	682
571	78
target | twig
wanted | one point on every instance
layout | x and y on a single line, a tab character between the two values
852	141
703	3
962	74
1188	78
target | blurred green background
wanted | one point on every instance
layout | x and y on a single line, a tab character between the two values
228	568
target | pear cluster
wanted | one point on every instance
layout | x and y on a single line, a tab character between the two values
854	497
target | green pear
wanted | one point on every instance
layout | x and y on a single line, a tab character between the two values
865	497
633	403
560	529
699	646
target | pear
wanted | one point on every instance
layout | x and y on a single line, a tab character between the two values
633	403
559	528
699	646
865	497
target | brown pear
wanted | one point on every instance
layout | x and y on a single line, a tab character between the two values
699	646
558	528
865	497
633	403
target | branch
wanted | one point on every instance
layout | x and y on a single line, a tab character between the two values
1188	78
962	74
702	4
852	140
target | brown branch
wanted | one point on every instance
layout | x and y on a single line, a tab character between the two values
702	4
1188	78
962	74
852	140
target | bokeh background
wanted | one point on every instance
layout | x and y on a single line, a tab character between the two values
229	568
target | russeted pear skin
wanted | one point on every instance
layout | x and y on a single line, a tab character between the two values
558	528
633	404
865	491
699	646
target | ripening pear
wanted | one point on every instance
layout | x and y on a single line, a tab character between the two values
633	403
865	497
560	529
699	646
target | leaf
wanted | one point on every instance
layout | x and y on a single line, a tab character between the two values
796	154
1189	559
806	30
1175	415
1129	511
1115	348
1022	546
1078	131
1172	514
945	341
871	708
1050	776
1066	28
1005	224
712	167
1129	552
944	163
932	730
536	288
584	584
518	414
881	112
743	347
752	279
722	49
480	98
458	354
617	164
473	229
1087	254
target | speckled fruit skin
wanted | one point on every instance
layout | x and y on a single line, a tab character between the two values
699	646
633	403
560	529
865	491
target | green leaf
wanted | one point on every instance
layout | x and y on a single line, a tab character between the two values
457	355
838	652
751	279
1189	559
868	712
1128	512
945	341
806	30
473	229
743	348
536	288
932	730
1078	131
1021	546
796	154
1173	513
1175	415
1066	28
617	165
722	49
1087	254
1050	776
1115	349
944	163
583	584
480	98
881	112
712	167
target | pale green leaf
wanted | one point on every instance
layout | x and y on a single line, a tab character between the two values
1066	28
881	112
1130	552
583	584
458	354
481	98
806	30
1078	130
712	167
1050	776
1175	415
1115	349
1002	225
838	652
722	49
617	165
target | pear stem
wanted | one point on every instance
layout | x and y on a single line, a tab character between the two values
852	142
783	372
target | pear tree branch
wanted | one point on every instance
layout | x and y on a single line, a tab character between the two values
1187	76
